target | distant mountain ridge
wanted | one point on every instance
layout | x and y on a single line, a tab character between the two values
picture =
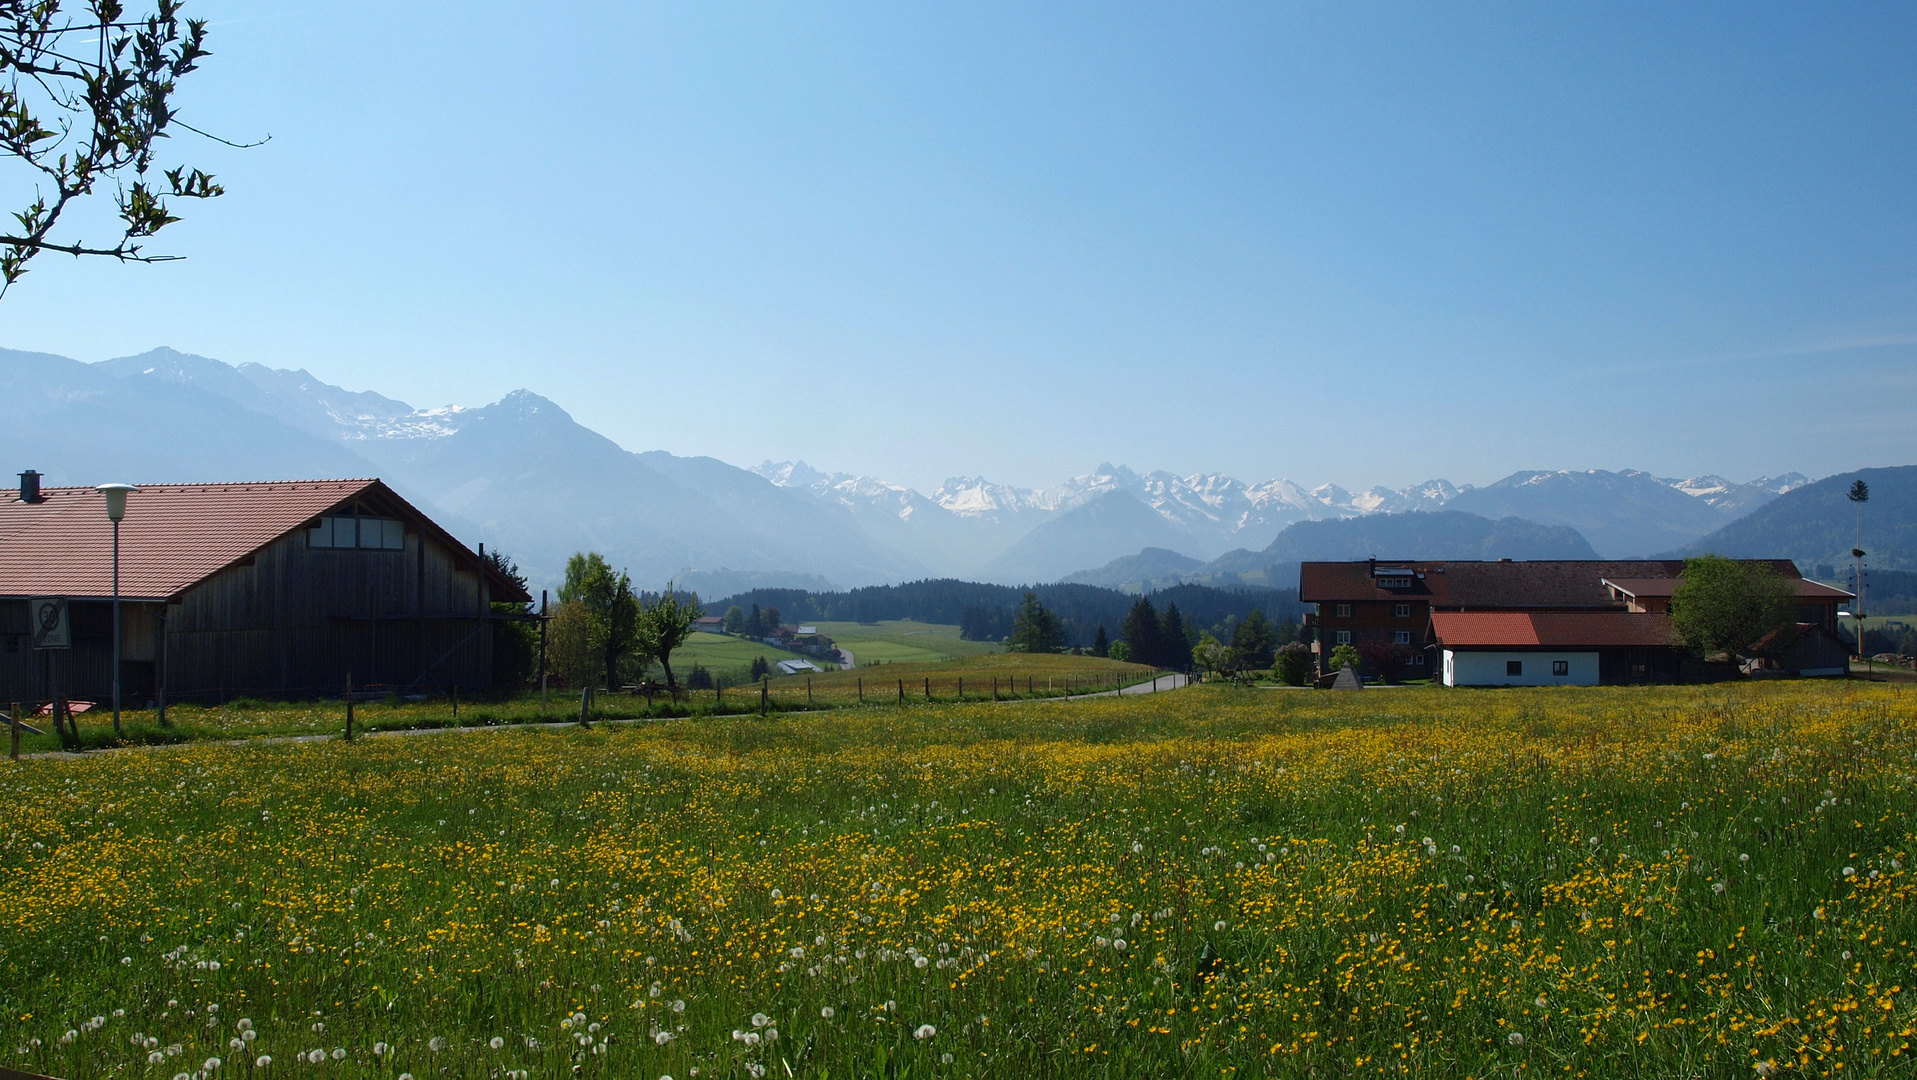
1437	534
1816	524
1622	514
522	475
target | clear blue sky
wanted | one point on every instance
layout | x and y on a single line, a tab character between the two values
1360	243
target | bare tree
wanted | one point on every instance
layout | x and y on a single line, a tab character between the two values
85	97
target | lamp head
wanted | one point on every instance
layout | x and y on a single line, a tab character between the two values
115	499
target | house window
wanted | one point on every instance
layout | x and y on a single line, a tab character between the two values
1513	667
1417	659
1394	583
1402	637
1402	611
1344	611
1640	671
1560	667
1344	637
362	533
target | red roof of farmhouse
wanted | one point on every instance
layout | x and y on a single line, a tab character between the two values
1804	588
173	537
1549	629
1468	584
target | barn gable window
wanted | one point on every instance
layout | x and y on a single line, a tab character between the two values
361	533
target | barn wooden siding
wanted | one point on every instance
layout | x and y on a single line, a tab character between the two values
291	621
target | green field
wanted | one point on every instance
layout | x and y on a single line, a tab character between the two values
1604	882
904	642
1004	674
723	654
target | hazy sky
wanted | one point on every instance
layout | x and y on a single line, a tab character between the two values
1360	243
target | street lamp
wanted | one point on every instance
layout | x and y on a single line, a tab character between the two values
116	509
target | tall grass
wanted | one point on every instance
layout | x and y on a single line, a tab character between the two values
1632	882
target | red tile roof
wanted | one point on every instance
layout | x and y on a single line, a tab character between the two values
1549	629
1576	584
1806	589
174	535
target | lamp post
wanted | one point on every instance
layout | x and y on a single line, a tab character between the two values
116	509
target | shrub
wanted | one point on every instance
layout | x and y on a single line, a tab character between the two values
1293	664
1386	661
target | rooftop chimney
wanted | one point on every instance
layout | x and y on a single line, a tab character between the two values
30	487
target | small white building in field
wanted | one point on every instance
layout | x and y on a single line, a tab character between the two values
795	667
1539	648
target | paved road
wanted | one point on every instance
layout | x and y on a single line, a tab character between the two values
846	660
1153	686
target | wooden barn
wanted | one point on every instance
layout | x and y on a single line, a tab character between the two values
248	589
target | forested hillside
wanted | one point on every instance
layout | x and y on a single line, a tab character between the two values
984	612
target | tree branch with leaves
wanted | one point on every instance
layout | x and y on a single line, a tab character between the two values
81	121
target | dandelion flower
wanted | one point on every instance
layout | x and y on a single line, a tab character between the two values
1118	944
436	1043
379	1049
210	1064
925	1031
496	1043
826	1012
1219	926
339	1053
262	1061
1514	1039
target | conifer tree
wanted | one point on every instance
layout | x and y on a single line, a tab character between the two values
1251	641
1035	629
1101	642
1174	645
1140	631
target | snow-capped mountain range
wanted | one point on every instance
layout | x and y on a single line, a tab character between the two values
1215	512
523	476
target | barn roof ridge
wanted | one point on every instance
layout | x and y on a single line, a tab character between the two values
175	535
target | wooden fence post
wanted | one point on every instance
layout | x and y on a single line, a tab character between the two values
901	691
961	693
13	732
585	704
995	688
861	689
928	688
765	686
808	691
455	701
349	706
